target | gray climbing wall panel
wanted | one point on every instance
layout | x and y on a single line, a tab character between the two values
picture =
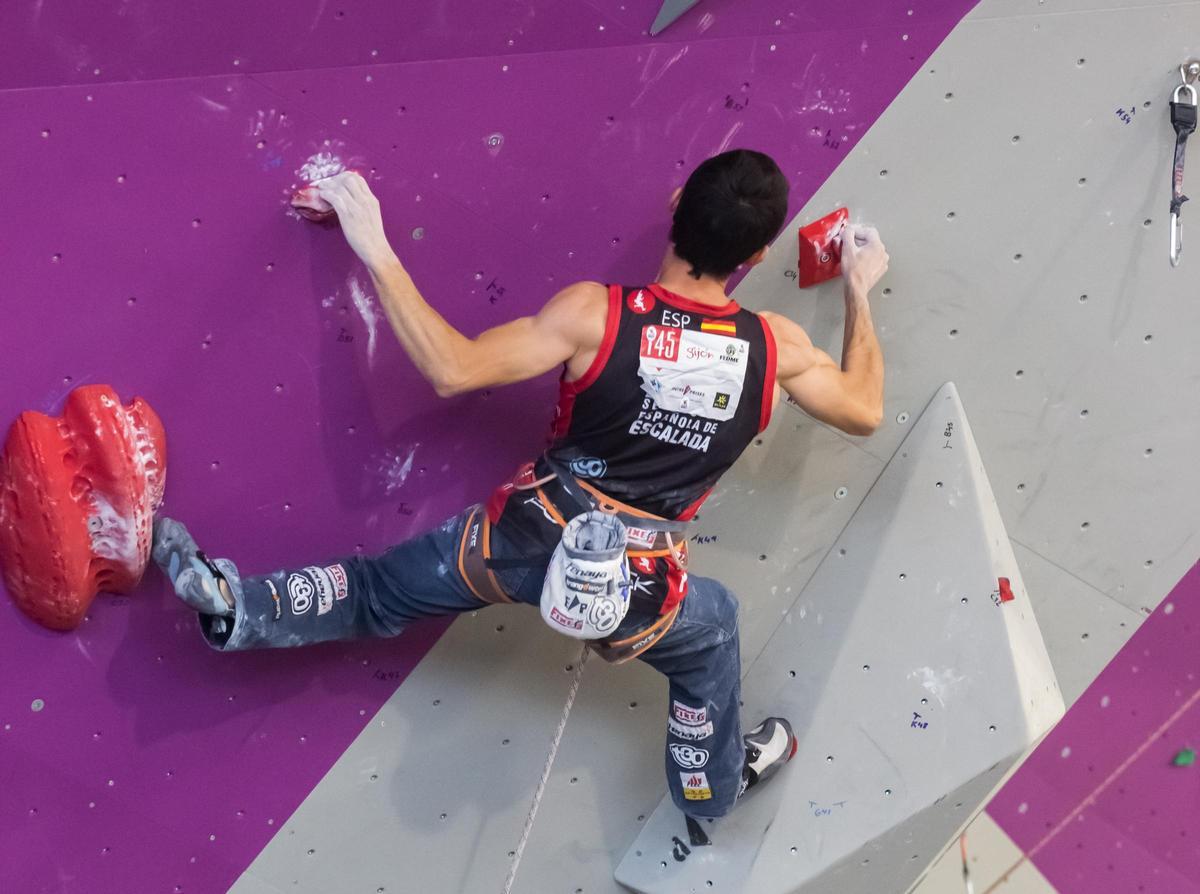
914	670
959	200
433	794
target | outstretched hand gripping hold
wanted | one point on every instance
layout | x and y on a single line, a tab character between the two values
77	498
311	201
821	248
348	197
309	205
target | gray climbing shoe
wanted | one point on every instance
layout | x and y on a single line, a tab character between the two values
769	746
210	586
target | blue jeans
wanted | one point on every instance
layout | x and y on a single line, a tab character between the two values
379	596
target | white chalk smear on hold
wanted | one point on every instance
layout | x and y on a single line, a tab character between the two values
365	305
320	166
112	535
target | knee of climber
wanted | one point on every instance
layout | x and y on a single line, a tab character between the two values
727	611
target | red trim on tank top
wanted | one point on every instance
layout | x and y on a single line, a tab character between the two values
568	391
692	509
768	395
681	303
611	325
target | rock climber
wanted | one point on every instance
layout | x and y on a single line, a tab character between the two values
663	386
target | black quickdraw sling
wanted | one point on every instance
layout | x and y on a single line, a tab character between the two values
564	497
1183	119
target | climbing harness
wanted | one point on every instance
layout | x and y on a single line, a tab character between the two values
565	497
1183	119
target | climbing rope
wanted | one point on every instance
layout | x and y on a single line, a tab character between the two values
541	786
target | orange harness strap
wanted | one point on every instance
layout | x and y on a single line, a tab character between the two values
474	550
620	651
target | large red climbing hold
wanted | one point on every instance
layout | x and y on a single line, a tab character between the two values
821	248
77	501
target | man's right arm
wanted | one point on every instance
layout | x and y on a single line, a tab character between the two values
848	397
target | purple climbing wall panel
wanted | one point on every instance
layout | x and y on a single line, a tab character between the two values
1100	805
149	247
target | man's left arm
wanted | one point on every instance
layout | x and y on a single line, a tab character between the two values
449	360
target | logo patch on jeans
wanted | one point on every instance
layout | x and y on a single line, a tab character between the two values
691	733
695	787
341	585
689	756
689	715
275	599
324	586
300	592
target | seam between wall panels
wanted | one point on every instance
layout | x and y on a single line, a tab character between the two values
639	41
977	15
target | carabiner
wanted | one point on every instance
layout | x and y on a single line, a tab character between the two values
1183	119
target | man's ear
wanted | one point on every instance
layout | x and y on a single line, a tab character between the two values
758	257
673	204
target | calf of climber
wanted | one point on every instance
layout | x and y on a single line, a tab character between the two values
663	386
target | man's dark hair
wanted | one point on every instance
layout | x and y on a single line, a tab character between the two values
733	204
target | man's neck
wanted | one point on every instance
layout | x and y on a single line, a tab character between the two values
675	276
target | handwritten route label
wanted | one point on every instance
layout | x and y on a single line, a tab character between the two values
918	722
820	810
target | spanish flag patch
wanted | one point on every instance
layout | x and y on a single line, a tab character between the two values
721	327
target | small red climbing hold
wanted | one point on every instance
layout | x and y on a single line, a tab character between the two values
311	206
821	248
1006	593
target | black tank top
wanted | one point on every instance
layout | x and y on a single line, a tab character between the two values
677	391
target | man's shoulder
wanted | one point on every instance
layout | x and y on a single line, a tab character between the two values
581	297
783	328
579	311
